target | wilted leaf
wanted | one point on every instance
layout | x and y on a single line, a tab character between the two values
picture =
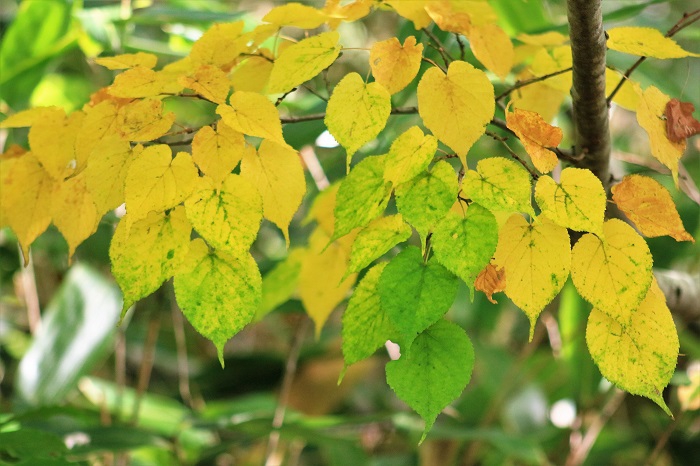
536	135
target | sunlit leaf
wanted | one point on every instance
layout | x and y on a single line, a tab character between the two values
499	184
217	152
219	45
106	171
394	65
296	15
252	114
143	120
73	211
646	42
52	141
536	135
493	48
280	283
128	60
209	82
409	155
376	239
650	206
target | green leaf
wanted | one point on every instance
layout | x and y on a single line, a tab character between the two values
414	294
362	196
228	217
500	185
376	239
33	444
409	155
434	372
366	325
424	200
148	253
280	283
464	245
76	332
218	293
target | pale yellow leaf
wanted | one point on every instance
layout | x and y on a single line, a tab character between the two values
296	15
143	120
73	211
136	83
413	10
550	61
394	65
52	141
209	82
252	114
219	45
128	60
217	153
493	48
252	74
646	42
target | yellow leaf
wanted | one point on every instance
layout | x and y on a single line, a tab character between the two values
156	181
394	65
538	97
650	116
137	83
409	155
217	292
253	73
649	205
25	198
52	141
147	254
128	60
626	97
456	107
252	114
493	48
228	217
577	202
218	46
217	153
320	285
32	116
550	61
143	120
73	211
459	16
499	184
376	239
646	42
106	171
302	61
545	38
640	354
536	258
100	122
339	10
536	135
413	10
371	106
295	14
612	273
278	174
209	82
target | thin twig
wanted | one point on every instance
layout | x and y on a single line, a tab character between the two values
527	82
577	456
321	116
661	442
119	369
462	48
684	22
183	372
315	92
272	457
428	60
149	347
440	47
31	294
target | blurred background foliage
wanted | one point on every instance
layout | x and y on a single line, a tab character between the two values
77	389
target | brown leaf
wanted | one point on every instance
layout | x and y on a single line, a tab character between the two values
491	280
680	123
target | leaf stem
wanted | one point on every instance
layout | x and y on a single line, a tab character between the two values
439	46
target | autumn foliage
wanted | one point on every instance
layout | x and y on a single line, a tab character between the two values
193	210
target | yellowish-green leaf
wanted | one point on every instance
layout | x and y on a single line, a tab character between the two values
434	372
217	153
278	174
209	82
465	244
640	355
577	202
415	294
650	116
218	293
25	198
650	206
296	15
280	283
409	155
394	65
228	217
362	196
137	83
252	114
106	171
456	107
536	258
73	211
493	48
253	73
128	60
357	112
645	42
303	60
366	325
156	181
219	45
500	185
426	199
376	239
143	120
612	273
147	254
321	283
52	141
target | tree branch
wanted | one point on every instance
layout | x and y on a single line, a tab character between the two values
590	108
